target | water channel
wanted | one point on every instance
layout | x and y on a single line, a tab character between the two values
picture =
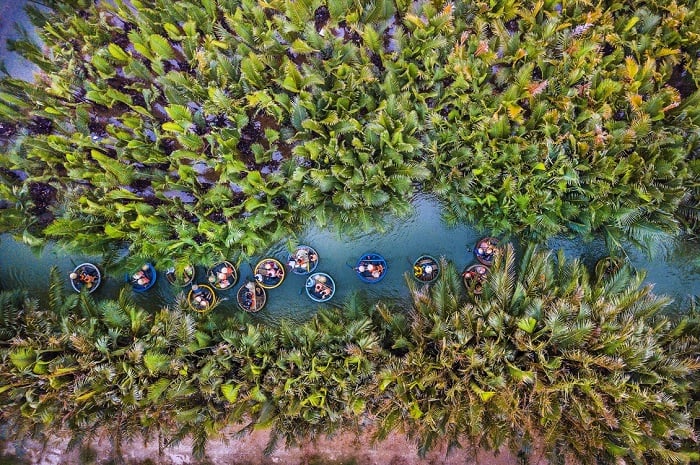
675	273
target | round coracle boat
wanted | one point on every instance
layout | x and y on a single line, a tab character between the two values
371	268
222	276
201	298
251	296
303	260
426	269
320	287
607	267
143	279
474	277
485	250
269	273
85	275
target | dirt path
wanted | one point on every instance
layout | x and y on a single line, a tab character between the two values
341	450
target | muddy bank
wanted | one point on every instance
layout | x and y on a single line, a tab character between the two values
249	450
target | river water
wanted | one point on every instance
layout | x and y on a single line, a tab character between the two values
675	273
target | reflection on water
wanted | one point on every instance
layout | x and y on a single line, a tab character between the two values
676	273
12	16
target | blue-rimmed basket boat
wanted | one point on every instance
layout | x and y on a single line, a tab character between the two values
222	276
201	298
426	269
269	273
303	260
180	278
251	296
371	268
143	279
85	275
485	250
474	277
320	287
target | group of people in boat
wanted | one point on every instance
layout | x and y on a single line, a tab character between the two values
250	295
269	270
269	273
303	260
202	297
371	269
85	276
142	277
223	276
475	276
321	287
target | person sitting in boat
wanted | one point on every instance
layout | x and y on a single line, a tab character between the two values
377	272
321	288
250	290
428	270
312	257
272	271
87	278
361	269
140	277
302	256
201	301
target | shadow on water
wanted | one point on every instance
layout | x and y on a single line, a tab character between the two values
675	273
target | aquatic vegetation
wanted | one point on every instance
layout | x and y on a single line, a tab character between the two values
545	350
209	129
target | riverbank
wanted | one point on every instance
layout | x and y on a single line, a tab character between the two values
344	449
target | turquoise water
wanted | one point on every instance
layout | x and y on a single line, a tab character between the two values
676	272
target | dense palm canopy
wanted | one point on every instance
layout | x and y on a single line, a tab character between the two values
546	350
202	129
